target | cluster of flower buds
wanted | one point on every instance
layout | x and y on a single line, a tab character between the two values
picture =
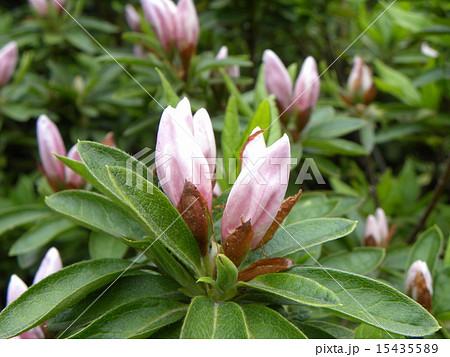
8	61
299	99
50	142
360	87
42	6
419	283
256	206
176	26
134	21
49	265
185	165
233	71
376	231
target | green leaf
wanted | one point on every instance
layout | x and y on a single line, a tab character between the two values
303	235
103	245
335	146
158	214
263	322
365	331
169	93
447	254
323	329
40	235
227	273
17	216
56	293
261	118
123	291
136	319
362	260
78	167
169	264
375	303
316	206
96	212
98	157
427	248
335	128
293	288
397	84
230	135
245	109
206	63
208	319
441	302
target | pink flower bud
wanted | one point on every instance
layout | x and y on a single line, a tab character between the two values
50	142
260	188
233	71
185	151
419	283
58	5
17	287
188	28
8	62
278	81
50	264
133	18
307	86
376	230
41	6
360	84
162	14
72	179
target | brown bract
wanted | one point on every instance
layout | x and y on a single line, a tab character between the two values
194	210
237	244
284	210
423	294
265	266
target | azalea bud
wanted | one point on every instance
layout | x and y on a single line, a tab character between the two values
278	81
41	6
306	91
360	85
17	287
108	140
376	230
185	151
58	5
258	192
188	29
233	71
72	179
428	51
419	283
50	142
133	18
162	14
50	264
8	62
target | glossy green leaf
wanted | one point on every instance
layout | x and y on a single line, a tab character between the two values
365	331
361	260
370	301
316	206
294	288
335	128
427	248
208	319
17	216
230	135
441	301
135	319
158	214
56	293
266	323
323	329
227	273
124	290
169	93
303	235
96	212
261	118
335	146
103	245
40	235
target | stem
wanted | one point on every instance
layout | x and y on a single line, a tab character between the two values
440	186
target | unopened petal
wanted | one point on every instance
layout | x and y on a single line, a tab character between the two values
278	81
307	86
50	264
16	287
8	62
